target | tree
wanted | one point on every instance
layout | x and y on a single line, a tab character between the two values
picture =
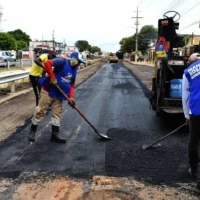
21	44
82	45
186	39
127	44
94	49
19	35
146	35
7	42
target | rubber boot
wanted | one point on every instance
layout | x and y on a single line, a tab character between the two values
31	136
55	135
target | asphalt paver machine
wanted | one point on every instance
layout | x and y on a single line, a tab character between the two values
169	69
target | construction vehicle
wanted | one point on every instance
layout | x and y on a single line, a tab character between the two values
113	58
169	67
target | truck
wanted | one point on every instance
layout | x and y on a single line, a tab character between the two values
169	67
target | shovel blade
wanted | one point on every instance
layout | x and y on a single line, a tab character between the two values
104	136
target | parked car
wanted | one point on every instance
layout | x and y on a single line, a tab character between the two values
6	56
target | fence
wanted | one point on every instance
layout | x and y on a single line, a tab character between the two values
19	63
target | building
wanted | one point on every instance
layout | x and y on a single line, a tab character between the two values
62	49
66	52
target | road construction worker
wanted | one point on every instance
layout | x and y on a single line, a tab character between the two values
37	54
191	107
37	71
61	72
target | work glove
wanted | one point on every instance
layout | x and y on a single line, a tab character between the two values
71	102
53	81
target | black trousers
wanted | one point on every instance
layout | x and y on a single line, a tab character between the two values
194	144
36	87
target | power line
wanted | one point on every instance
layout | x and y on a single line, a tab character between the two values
173	2
140	2
193	23
150	3
190	9
178	4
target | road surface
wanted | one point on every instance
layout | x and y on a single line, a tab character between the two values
117	104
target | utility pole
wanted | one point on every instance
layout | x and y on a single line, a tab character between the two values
53	39
137	24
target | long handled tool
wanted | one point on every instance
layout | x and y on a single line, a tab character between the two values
104	136
148	147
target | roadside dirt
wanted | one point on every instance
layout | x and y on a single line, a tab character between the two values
97	188
37	186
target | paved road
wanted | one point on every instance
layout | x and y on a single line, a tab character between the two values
116	103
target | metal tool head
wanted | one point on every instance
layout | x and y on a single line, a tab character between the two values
104	136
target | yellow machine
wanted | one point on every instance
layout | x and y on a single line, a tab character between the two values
113	58
170	64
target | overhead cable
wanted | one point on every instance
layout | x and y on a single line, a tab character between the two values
193	23
190	9
140	3
169	6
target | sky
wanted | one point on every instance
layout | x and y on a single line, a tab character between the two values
102	23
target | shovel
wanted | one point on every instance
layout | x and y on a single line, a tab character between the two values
104	136
152	145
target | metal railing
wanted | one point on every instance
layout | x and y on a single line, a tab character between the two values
18	63
13	76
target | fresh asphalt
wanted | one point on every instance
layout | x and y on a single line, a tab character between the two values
116	103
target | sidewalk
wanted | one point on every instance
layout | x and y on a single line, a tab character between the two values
144	63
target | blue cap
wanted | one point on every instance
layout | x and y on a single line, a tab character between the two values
77	56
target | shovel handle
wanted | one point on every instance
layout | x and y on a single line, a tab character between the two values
166	136
82	115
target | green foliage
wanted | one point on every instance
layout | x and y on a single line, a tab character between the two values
186	39
19	35
127	44
7	42
94	49
21	44
147	34
82	45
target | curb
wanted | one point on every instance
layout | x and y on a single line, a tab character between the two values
14	95
143	64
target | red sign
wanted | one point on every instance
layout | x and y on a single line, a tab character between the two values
164	23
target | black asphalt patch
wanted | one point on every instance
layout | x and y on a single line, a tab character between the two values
164	164
127	85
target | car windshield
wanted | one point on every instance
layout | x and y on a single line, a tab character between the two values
8	54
